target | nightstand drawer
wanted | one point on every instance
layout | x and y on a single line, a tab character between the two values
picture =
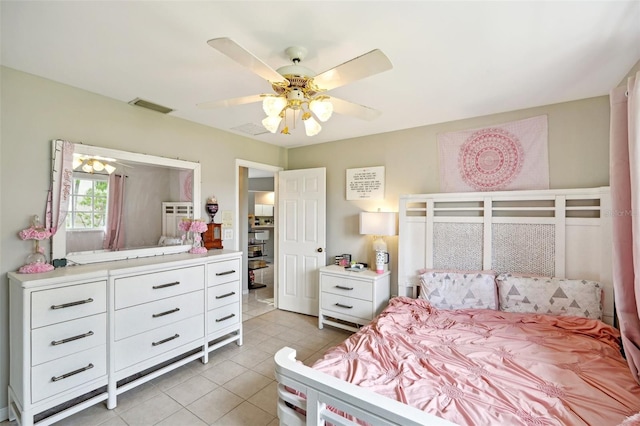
223	294
347	286
68	303
346	305
145	288
66	338
223	272
141	318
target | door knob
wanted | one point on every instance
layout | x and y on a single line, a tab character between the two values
319	250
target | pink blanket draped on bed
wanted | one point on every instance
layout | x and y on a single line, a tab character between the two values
484	367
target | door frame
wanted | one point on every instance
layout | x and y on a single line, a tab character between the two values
242	224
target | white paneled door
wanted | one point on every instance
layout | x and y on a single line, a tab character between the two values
302	238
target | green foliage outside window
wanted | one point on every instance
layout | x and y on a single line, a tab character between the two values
88	207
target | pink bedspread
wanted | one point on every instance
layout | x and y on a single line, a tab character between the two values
483	367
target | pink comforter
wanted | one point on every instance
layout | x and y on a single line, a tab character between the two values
483	367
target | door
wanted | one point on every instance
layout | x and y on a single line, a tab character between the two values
302	238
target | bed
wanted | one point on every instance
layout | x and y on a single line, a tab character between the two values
504	315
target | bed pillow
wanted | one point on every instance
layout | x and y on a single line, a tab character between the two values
548	295
459	289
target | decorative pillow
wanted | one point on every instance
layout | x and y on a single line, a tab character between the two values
459	289
548	295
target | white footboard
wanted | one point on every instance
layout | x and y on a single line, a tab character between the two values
323	391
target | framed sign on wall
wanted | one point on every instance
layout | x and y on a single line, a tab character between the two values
365	183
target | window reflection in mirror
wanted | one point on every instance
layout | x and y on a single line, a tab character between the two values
147	181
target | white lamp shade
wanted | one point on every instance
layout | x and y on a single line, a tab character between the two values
378	223
311	126
272	105
272	123
322	109
109	168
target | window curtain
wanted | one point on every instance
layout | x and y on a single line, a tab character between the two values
114	236
625	203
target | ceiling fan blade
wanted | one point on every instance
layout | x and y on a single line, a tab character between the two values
355	110
357	68
245	58
231	102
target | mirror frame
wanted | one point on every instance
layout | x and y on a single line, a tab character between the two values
59	240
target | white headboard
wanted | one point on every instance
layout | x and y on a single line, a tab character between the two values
562	233
172	214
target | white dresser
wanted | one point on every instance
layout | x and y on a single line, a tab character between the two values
351	297
88	333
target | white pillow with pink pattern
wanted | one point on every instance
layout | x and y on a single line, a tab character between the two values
459	289
549	295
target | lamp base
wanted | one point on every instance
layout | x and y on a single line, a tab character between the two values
379	261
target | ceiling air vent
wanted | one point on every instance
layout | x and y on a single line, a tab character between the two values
150	105
251	129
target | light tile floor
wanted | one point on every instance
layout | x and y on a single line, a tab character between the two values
236	387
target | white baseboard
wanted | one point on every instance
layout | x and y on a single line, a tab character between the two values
4	414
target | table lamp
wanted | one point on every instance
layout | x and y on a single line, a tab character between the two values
379	224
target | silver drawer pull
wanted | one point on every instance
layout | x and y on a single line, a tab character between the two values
161	314
225	318
343	306
225	295
68	305
344	288
72	373
168	339
155	287
225	273
71	339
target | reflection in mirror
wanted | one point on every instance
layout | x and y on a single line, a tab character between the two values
117	204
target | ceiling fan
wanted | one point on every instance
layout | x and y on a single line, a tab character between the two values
298	91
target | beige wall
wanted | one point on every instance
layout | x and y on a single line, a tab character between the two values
578	157
35	111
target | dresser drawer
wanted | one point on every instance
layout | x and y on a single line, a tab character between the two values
223	317
346	286
223	294
145	288
66	338
346	306
223	272
141	318
67	303
155	342
62	374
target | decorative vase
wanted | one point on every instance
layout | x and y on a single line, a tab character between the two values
212	207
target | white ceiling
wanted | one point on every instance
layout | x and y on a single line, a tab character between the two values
451	60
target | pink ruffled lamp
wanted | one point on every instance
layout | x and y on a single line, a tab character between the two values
36	261
196	228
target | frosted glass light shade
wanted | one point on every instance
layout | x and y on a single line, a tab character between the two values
378	223
273	105
311	126
272	123
109	168
322	109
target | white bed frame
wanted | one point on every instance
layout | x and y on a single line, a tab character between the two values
562	233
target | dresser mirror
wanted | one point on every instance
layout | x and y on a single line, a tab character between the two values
145	184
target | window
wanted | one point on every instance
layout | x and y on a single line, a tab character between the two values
88	204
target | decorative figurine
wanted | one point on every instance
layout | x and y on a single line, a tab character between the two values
212	207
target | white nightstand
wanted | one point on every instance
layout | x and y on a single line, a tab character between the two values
349	296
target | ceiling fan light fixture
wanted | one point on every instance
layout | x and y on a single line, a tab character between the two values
271	123
273	105
311	126
321	108
77	161
109	168
88	167
98	166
